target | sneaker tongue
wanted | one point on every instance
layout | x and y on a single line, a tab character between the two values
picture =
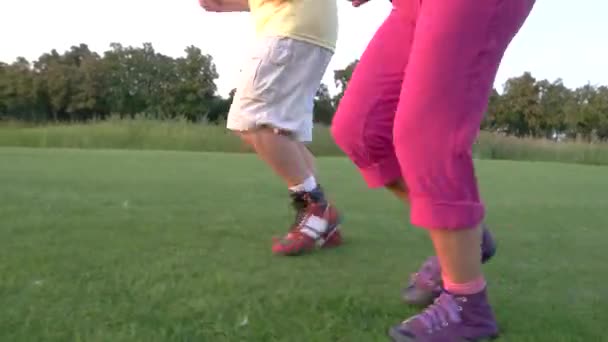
302	200
298	199
316	195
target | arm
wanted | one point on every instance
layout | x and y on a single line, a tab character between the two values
225	5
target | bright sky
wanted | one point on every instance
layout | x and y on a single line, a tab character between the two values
562	38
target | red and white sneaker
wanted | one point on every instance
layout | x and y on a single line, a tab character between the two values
317	225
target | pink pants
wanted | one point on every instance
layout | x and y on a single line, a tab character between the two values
415	101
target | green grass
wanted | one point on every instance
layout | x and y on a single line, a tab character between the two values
174	246
179	135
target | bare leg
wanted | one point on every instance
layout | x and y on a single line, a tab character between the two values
458	252
309	158
281	153
399	189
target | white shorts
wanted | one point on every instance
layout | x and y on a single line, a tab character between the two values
278	85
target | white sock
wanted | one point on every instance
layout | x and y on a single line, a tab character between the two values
308	185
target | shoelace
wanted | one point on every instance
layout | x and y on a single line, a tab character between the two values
299	204
427	276
440	314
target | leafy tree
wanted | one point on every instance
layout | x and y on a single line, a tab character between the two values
341	79
80	85
324	108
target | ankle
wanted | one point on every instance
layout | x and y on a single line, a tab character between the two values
308	185
468	288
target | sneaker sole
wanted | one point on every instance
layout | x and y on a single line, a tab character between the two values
319	244
396	336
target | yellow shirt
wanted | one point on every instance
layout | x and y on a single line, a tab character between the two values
313	21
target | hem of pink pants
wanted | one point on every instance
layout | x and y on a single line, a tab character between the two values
381	173
430	214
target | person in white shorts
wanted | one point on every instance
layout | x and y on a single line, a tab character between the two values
272	110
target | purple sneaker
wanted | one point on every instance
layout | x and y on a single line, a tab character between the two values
425	285
450	319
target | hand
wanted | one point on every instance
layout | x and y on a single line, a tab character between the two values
225	5
357	3
211	5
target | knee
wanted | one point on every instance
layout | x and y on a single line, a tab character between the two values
419	148
247	139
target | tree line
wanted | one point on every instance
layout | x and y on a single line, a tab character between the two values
80	85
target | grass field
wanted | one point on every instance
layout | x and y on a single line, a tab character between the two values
181	135
175	246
